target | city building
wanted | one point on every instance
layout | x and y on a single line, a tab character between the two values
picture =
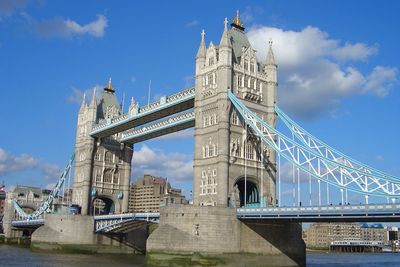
2	199
149	193
322	235
2	203
29	197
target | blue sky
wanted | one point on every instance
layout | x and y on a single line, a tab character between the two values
338	73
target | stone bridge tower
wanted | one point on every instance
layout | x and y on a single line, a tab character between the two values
225	154
102	166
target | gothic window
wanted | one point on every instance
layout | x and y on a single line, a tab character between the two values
107	176
206	121
207	151
252	66
235	119
82	156
116	178
214	172
204	152
108	157
249	153
246	64
212	119
98	175
214	78
211	61
97	156
210	78
211	151
209	180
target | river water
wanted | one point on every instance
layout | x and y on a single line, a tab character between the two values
17	256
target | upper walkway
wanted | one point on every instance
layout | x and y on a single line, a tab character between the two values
161	108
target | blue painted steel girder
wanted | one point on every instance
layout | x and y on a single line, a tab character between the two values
146	115
170	125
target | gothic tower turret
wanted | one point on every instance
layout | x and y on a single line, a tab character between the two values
102	166
231	166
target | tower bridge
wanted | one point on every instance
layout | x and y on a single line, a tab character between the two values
238	153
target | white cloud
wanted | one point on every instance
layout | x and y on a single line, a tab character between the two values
8	7
67	28
189	80
177	167
76	95
316	72
250	12
188	133
11	163
51	171
192	23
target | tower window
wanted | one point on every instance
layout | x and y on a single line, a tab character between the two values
109	157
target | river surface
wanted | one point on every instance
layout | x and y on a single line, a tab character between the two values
17	256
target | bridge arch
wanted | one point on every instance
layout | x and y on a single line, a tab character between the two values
103	204
252	190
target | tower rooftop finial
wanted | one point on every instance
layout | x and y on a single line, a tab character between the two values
226	24
109	87
237	23
270	56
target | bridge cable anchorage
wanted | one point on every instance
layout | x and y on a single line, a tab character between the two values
321	167
320	147
46	205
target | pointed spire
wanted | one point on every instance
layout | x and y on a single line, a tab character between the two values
109	87
225	36
237	23
202	49
270	57
93	103
83	105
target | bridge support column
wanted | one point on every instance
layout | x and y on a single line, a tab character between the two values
75	233
193	234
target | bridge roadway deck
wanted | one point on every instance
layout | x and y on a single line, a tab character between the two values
162	108
342	213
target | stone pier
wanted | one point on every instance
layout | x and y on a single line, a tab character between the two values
214	236
75	233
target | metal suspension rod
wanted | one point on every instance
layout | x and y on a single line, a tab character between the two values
309	181
298	181
262	178
69	189
245	167
310	189
319	192
327	194
279	176
293	179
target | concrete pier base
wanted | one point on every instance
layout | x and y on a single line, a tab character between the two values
214	236
75	233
